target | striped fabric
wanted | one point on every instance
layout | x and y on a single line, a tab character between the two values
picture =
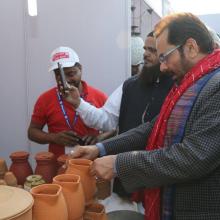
159	132
175	130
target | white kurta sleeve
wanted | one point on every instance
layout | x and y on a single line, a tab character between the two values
105	118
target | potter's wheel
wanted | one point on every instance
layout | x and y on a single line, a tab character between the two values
14	201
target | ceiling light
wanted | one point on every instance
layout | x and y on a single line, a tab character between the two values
32	7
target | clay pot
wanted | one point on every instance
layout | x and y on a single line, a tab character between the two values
73	194
20	166
46	166
32	181
2	182
62	161
49	203
81	167
3	168
10	179
95	211
103	188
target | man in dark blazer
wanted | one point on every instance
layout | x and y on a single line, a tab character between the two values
176	157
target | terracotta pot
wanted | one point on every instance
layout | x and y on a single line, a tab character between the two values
15	204
3	168
95	211
46	165
20	166
32	181
62	161
73	194
2	182
10	179
49	203
103	188
81	167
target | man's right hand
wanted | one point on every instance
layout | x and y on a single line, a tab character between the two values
90	152
66	138
73	96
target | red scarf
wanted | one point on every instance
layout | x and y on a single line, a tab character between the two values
157	136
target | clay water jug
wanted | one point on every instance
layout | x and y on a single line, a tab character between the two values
73	194
20	166
95	211
46	165
49	203
81	167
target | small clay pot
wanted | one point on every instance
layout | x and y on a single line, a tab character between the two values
62	161
3	168
103	188
32	181
10	179
46	166
95	211
2	182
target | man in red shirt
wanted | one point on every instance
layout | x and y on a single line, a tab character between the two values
53	110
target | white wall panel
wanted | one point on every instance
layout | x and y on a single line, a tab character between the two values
13	110
98	30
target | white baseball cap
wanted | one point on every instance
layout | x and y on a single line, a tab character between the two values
66	56
137	50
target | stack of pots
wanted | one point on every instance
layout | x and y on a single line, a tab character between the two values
71	195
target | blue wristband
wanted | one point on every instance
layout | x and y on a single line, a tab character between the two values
102	151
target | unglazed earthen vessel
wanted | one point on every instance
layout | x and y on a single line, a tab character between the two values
81	167
46	166
20	166
73	194
95	211
49	203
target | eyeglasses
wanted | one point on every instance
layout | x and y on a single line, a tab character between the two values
164	56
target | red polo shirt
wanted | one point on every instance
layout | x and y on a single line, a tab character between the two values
47	110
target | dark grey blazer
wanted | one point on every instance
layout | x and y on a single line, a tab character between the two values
193	165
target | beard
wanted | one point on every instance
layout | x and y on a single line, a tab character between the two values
149	75
185	66
75	83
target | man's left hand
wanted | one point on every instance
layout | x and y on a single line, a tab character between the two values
104	167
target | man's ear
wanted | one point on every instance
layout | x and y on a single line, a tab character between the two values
56	73
191	48
79	66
